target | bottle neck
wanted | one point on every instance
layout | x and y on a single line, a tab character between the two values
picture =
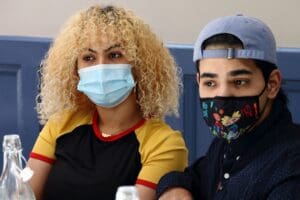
12	158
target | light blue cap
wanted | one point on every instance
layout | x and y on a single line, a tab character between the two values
257	38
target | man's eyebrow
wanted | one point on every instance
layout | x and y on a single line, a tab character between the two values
112	46
208	75
240	72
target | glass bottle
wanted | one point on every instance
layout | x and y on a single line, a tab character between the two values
13	183
127	193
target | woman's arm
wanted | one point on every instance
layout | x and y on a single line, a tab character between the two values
176	193
145	193
41	170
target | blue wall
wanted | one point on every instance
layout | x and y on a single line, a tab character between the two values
20	58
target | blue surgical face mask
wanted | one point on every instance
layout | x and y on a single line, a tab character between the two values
106	85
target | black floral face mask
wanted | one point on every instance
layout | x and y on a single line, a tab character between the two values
230	117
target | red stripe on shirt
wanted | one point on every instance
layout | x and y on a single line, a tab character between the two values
42	158
113	137
146	183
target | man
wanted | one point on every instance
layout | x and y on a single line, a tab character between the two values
256	154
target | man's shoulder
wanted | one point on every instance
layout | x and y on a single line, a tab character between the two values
294	128
287	141
291	136
285	151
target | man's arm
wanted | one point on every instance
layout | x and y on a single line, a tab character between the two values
181	185
194	180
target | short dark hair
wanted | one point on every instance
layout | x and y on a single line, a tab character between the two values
222	39
231	40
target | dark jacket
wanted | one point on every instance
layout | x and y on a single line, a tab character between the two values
262	164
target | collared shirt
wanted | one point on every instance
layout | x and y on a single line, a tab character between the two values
262	164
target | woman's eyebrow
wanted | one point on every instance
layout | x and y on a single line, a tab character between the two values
108	49
112	46
92	50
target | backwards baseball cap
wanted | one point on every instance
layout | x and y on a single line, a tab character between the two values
257	38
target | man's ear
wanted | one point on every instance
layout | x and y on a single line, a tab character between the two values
198	78
274	83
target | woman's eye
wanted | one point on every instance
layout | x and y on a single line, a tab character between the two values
114	55
88	58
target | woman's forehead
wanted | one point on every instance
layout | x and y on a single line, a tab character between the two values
102	42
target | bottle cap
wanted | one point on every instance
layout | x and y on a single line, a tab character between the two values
11	142
26	174
127	193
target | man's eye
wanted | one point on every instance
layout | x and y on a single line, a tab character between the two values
209	83
240	82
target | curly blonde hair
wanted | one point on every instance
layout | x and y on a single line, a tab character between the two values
155	71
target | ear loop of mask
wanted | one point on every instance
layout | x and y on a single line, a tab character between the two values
135	89
136	93
260	113
266	72
264	108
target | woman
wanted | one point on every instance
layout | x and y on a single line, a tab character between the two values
106	84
